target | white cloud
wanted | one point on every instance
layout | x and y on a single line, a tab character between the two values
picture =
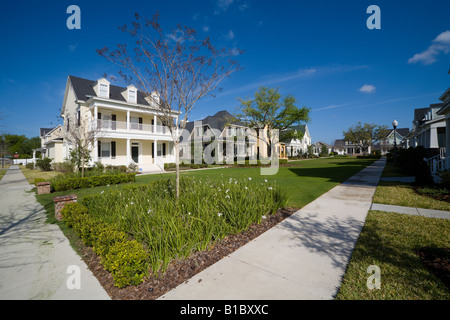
205	28
72	47
367	88
230	35
223	5
440	44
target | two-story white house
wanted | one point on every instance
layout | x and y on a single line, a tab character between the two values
297	147
220	126
127	124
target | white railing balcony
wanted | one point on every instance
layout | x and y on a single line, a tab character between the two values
121	126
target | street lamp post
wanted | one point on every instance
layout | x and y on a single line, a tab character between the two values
394	124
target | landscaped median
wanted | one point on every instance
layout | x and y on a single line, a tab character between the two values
162	228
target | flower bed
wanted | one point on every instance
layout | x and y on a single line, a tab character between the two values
207	211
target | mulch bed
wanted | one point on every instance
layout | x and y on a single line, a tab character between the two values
437	260
179	271
441	197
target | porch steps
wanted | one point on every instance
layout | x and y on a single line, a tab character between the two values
149	167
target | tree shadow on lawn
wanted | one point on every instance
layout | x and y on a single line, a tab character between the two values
351	175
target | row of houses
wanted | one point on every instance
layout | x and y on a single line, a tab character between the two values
129	128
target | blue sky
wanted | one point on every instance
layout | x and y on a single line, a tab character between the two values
321	52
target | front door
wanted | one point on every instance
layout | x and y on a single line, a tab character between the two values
135	153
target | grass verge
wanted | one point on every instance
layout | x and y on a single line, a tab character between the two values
403	194
389	240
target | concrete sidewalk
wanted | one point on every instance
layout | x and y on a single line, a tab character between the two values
303	257
34	255
430	213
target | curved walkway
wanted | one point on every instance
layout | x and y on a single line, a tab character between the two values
303	257
36	260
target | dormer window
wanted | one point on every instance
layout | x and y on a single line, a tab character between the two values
131	94
102	88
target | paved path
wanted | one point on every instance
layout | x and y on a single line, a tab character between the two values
303	257
410	210
34	255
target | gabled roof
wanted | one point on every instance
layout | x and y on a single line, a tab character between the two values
401	131
218	121
44	131
419	114
84	88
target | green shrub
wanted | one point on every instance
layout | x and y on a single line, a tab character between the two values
127	261
445	179
64	167
38	180
29	166
44	164
61	184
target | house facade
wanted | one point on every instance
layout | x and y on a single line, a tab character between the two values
319	146
394	138
428	128
126	124
52	143
218	128
297	147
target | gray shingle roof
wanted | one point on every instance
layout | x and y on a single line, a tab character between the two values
218	121
84	88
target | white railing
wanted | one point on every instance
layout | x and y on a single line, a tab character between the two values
110	125
438	163
159	163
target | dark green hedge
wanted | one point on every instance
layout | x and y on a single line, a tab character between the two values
94	181
125	258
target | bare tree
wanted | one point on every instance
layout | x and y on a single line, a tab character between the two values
177	66
81	136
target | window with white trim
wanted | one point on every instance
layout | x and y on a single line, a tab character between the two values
103	90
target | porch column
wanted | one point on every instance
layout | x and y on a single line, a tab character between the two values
155	124
95	150
433	138
447	137
128	122
155	150
96	117
128	150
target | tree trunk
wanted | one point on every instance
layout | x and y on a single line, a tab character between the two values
177	168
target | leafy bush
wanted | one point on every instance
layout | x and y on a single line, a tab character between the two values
206	211
64	167
44	164
38	180
29	166
127	260
62	183
445	179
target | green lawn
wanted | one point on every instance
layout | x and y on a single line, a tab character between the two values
389	240
303	184
403	194
391	170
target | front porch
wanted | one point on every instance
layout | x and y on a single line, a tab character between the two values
148	155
